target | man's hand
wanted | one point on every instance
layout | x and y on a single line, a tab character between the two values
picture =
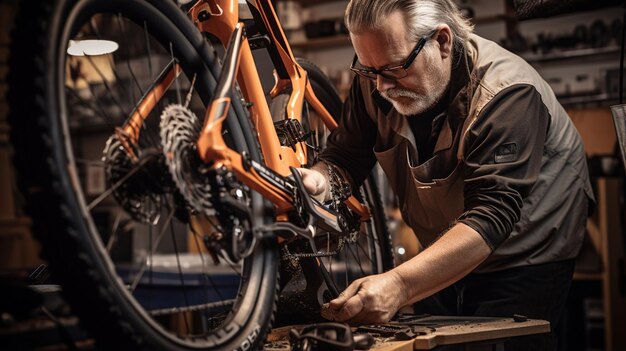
370	300
315	183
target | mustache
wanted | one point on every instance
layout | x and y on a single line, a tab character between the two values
397	93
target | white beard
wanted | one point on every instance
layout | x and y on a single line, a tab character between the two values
417	102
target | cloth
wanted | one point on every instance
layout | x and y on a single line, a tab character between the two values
506	159
509	292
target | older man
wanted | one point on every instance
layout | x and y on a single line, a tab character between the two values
489	171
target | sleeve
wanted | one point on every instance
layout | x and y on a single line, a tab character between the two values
350	145
503	156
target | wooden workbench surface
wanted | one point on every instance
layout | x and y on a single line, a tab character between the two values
438	330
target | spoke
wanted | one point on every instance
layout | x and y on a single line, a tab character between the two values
170	205
144	262
233	268
119	183
131	95
122	27
103	114
113	236
150	134
118	80
106	83
110	57
99	164
176	80
94	28
199	307
180	273
371	238
358	260
367	255
128	65
150	253
205	275
149	56
190	92
220	254
150	90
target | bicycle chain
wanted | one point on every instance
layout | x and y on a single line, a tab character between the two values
350	239
339	189
339	192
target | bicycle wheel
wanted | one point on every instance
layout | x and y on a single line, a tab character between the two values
137	262
366	253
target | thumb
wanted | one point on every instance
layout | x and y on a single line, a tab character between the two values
345	295
314	182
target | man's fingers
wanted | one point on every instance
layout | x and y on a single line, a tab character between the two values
313	181
348	304
350	291
351	308
312	185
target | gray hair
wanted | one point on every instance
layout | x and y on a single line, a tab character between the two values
421	16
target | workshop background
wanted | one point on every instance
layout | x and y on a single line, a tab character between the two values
577	53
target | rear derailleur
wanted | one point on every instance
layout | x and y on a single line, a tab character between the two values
234	234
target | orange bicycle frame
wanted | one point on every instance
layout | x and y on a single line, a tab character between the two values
221	19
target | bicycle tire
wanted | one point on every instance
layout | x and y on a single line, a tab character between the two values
51	181
379	244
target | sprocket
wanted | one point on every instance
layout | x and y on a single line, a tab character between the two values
180	128
135	192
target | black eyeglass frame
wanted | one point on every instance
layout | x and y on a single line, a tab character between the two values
370	73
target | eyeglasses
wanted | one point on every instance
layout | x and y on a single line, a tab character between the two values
395	72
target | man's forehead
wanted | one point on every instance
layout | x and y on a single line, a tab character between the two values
379	48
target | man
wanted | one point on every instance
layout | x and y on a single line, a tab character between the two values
489	171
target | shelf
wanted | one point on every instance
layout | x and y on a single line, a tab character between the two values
587	99
570	54
322	43
492	19
307	3
587	276
344	40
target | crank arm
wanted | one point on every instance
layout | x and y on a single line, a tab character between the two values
319	216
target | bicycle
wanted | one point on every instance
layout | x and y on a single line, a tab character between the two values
156	145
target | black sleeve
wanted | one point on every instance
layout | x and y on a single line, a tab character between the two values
503	154
350	146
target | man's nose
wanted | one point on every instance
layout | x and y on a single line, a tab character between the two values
384	84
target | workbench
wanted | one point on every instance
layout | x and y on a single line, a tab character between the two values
439	332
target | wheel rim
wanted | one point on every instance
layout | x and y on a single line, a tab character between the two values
138	221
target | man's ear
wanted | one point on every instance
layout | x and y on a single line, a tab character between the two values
444	39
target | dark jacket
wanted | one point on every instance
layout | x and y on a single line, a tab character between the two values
501	156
